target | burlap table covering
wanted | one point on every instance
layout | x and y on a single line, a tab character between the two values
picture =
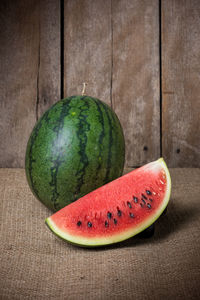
35	264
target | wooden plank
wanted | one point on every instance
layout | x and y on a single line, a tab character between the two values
87	48
49	68
18	78
181	82
29	77
135	87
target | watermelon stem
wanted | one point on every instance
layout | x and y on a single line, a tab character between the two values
83	90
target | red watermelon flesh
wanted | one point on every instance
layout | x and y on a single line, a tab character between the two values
117	210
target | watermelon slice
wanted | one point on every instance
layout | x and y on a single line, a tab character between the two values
117	210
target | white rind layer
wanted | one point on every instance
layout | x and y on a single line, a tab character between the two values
100	241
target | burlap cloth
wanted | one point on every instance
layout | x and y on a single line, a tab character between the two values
35	264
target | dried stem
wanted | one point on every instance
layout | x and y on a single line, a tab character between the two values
84	87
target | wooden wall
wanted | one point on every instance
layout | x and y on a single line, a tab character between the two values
142	57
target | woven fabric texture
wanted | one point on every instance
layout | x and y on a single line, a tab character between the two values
35	264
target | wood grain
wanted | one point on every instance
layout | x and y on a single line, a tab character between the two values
18	78
49	83
181	82
87	48
114	47
29	77
135	87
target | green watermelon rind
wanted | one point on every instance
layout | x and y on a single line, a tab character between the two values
98	242
78	138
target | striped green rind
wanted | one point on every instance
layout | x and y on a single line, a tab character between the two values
76	147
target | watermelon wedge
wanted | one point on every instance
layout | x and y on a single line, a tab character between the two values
117	210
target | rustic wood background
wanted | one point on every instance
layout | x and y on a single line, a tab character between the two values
142	57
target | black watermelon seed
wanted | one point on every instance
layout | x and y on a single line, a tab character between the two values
106	223
135	199
148	192
129	204
89	224
148	205
109	215
115	221
143	196
150	199
131	215
119	213
79	223
143	201
141	204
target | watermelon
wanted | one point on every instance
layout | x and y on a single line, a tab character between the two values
76	147
116	211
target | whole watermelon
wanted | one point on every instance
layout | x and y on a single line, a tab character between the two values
75	147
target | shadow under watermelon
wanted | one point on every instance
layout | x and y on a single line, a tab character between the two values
177	218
